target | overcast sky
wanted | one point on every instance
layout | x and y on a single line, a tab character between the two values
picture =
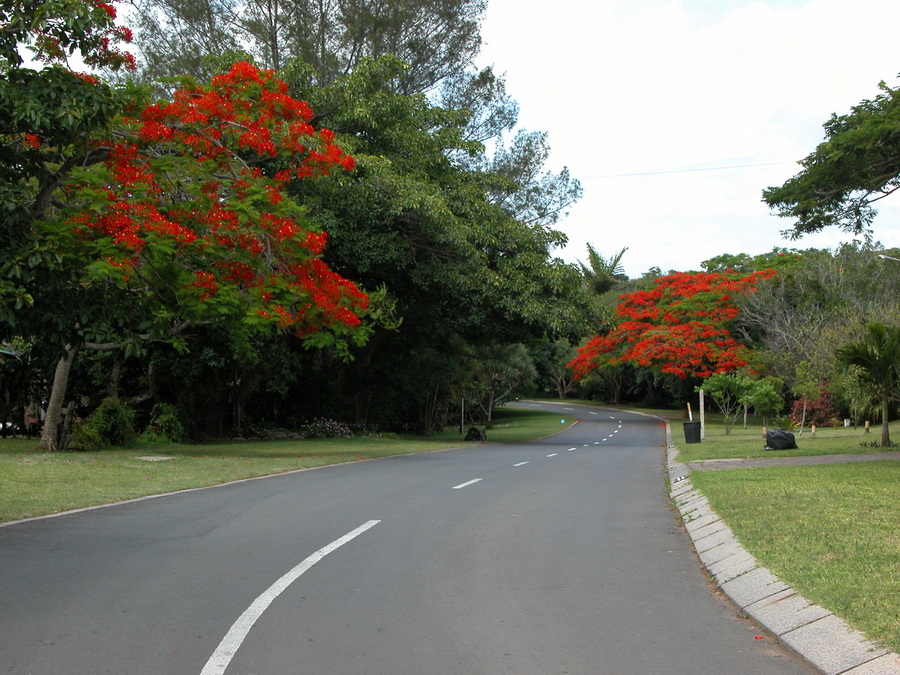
676	114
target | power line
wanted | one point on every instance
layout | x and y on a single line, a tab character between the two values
659	173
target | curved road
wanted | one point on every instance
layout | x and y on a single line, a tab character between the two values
557	556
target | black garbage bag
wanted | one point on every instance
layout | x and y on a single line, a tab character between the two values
780	439
474	434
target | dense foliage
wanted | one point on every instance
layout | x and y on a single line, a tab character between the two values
857	165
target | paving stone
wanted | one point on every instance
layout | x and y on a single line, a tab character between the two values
692	504
733	566
700	507
832	646
785	611
753	586
889	664
705	524
721	552
681	488
699	511
712	540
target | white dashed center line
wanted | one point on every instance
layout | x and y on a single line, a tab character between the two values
520	464
462	485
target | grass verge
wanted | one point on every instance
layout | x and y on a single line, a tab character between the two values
749	442
828	531
38	483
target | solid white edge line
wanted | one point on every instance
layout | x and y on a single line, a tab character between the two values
229	645
462	485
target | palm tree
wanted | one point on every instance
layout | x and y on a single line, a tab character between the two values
876	361
602	274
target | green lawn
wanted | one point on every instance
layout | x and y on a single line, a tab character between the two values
37	483
831	532
750	442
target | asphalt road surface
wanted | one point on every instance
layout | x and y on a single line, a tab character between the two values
557	556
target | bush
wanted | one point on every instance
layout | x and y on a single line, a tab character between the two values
819	411
85	437
165	425
112	424
325	428
786	423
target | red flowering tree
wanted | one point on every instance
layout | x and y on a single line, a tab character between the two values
681	326
186	217
190	199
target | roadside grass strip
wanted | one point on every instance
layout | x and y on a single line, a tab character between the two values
750	442
829	531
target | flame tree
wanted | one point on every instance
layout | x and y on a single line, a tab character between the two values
681	327
127	222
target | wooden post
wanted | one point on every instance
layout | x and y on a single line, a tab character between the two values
867	426
813	429
462	415
702	416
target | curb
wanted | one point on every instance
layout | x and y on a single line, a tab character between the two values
817	635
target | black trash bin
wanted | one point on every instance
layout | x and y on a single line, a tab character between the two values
692	432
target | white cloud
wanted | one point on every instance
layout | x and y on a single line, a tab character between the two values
644	86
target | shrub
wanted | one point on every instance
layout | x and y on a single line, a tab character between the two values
785	422
112	424
819	411
85	437
165	425
325	428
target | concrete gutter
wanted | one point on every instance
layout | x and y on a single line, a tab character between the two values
816	634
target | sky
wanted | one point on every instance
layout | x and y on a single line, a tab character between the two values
675	115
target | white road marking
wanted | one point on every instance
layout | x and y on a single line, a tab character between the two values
229	645
571	449
553	454
593	413
520	464
462	485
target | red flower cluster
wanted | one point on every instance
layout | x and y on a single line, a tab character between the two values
679	327
183	193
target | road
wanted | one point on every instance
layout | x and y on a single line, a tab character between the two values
556	556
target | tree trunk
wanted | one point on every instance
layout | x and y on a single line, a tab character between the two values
885	429
57	397
115	376
803	417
